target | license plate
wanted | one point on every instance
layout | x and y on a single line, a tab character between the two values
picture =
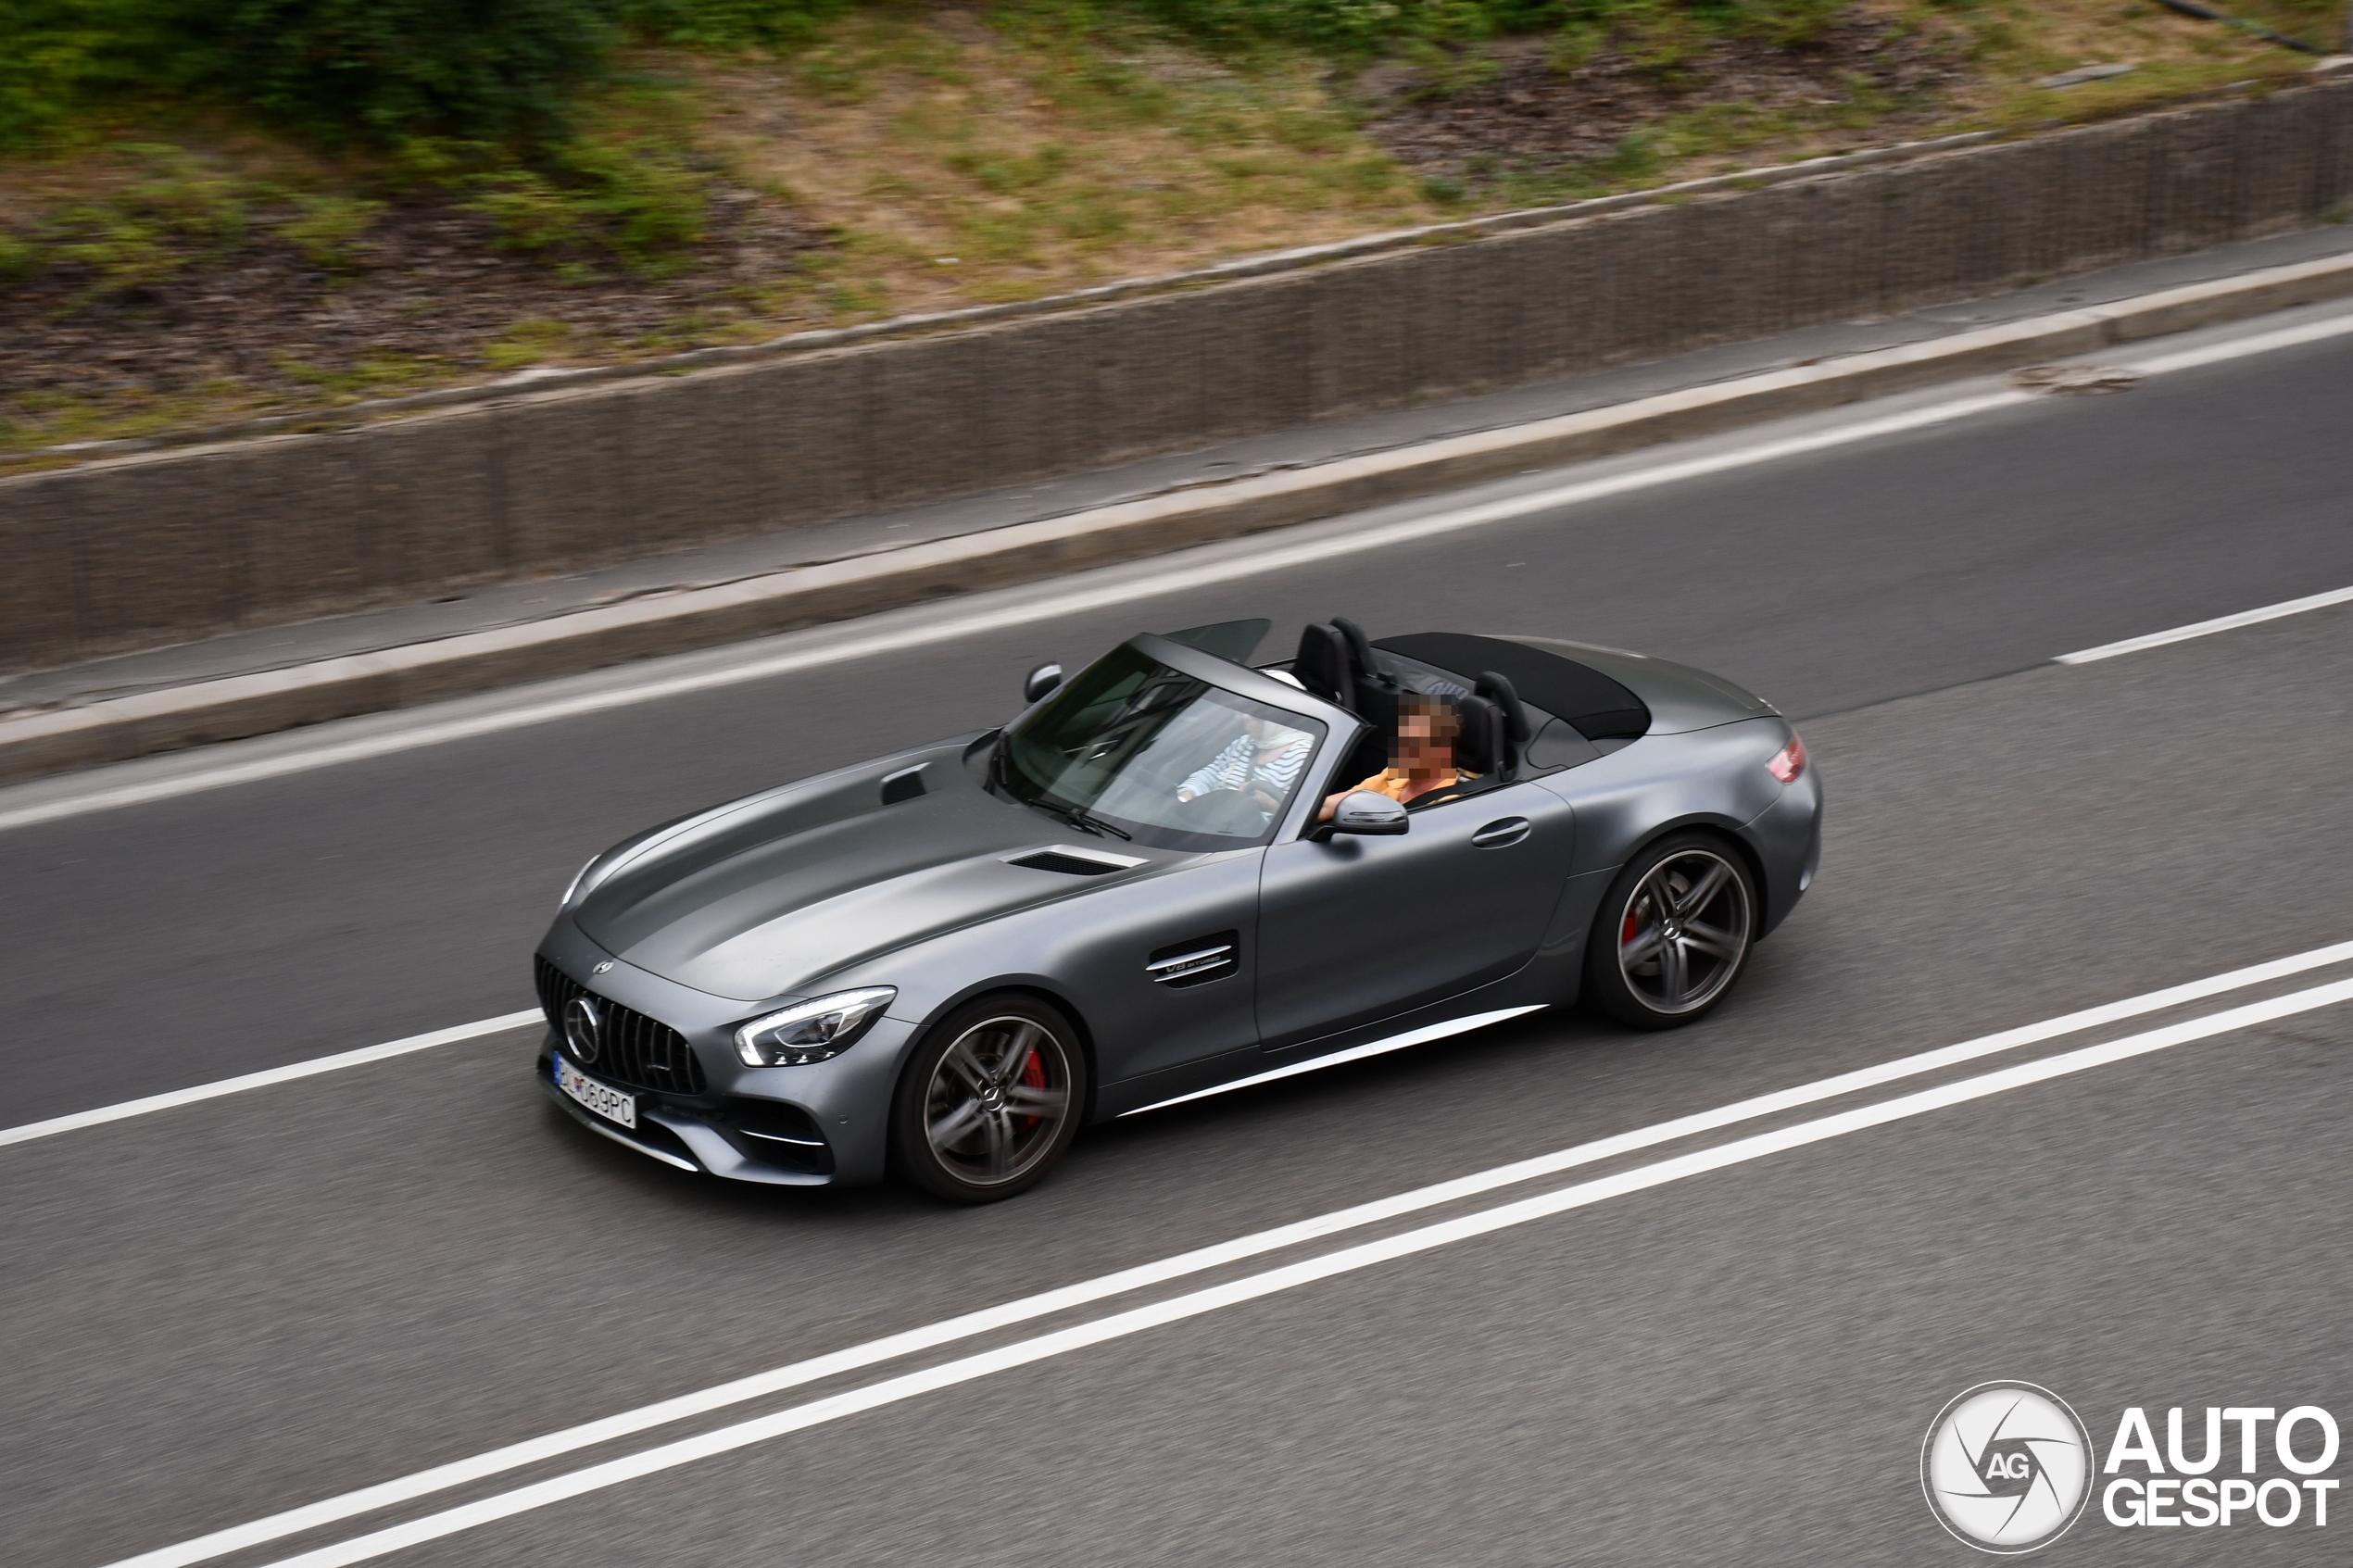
608	1103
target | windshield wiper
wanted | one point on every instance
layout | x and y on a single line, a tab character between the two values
1001	783
1079	817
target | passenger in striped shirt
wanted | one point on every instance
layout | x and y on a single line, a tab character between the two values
1263	761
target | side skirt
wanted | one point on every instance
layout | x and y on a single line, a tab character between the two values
1422	1035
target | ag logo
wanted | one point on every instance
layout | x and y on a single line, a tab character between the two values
2007	1467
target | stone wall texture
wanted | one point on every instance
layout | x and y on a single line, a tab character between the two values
139	552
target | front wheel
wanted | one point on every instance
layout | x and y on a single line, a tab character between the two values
1673	933
990	1099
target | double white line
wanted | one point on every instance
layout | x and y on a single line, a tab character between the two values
1211	1298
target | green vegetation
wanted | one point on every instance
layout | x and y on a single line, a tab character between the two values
216	209
509	104
174	214
505	75
368	70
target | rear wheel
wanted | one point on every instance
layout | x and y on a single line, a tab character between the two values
1673	933
990	1099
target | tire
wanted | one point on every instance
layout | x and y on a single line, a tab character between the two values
1660	958
975	1075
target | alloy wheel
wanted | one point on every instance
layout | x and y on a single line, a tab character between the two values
1684	933
997	1100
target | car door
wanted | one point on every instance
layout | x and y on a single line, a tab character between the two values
1351	930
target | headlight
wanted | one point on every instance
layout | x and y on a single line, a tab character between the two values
818	1029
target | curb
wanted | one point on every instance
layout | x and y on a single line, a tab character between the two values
238	707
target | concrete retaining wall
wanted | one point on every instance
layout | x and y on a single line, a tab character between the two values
139	552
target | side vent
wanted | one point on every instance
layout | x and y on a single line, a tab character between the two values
904	784
1196	962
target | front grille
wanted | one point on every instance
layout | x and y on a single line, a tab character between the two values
633	1050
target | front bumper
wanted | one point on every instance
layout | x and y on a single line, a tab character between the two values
843	1104
730	1135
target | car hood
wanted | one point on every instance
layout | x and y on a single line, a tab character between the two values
760	899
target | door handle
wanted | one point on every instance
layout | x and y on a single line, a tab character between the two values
1504	830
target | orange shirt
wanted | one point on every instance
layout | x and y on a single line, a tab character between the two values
1393	782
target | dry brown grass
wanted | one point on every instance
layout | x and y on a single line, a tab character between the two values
958	164
2013	45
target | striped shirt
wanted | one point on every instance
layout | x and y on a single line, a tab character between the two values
1242	765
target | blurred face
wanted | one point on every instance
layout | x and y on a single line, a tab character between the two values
1420	747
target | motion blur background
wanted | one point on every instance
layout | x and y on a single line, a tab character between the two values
367	540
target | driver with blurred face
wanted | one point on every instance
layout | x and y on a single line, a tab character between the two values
1421	758
1263	762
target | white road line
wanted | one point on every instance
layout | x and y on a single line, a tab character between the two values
315	1065
2240	348
1062	1342
2206	628
1029	1309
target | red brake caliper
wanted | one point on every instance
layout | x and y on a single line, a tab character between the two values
1627	934
1033	1074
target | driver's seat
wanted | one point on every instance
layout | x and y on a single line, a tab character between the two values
1483	747
1513	728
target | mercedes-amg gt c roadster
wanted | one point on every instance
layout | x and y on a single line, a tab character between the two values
948	960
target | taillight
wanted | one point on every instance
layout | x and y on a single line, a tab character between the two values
1789	762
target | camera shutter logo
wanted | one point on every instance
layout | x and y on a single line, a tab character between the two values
2007	1467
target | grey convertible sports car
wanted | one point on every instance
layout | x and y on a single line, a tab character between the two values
948	960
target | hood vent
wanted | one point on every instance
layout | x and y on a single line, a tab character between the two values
1072	862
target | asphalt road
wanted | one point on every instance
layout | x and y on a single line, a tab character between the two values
239	1307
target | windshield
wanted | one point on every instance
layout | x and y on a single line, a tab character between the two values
1152	754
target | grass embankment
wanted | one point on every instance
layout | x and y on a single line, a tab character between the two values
200	222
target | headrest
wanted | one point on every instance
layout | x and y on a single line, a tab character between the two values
1360	646
1322	664
1500	691
1479	748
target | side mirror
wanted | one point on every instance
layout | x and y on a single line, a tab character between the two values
1370	815
1041	683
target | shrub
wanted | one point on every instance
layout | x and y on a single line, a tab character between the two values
382	71
371	71
55	53
500	74
377	71
731	24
